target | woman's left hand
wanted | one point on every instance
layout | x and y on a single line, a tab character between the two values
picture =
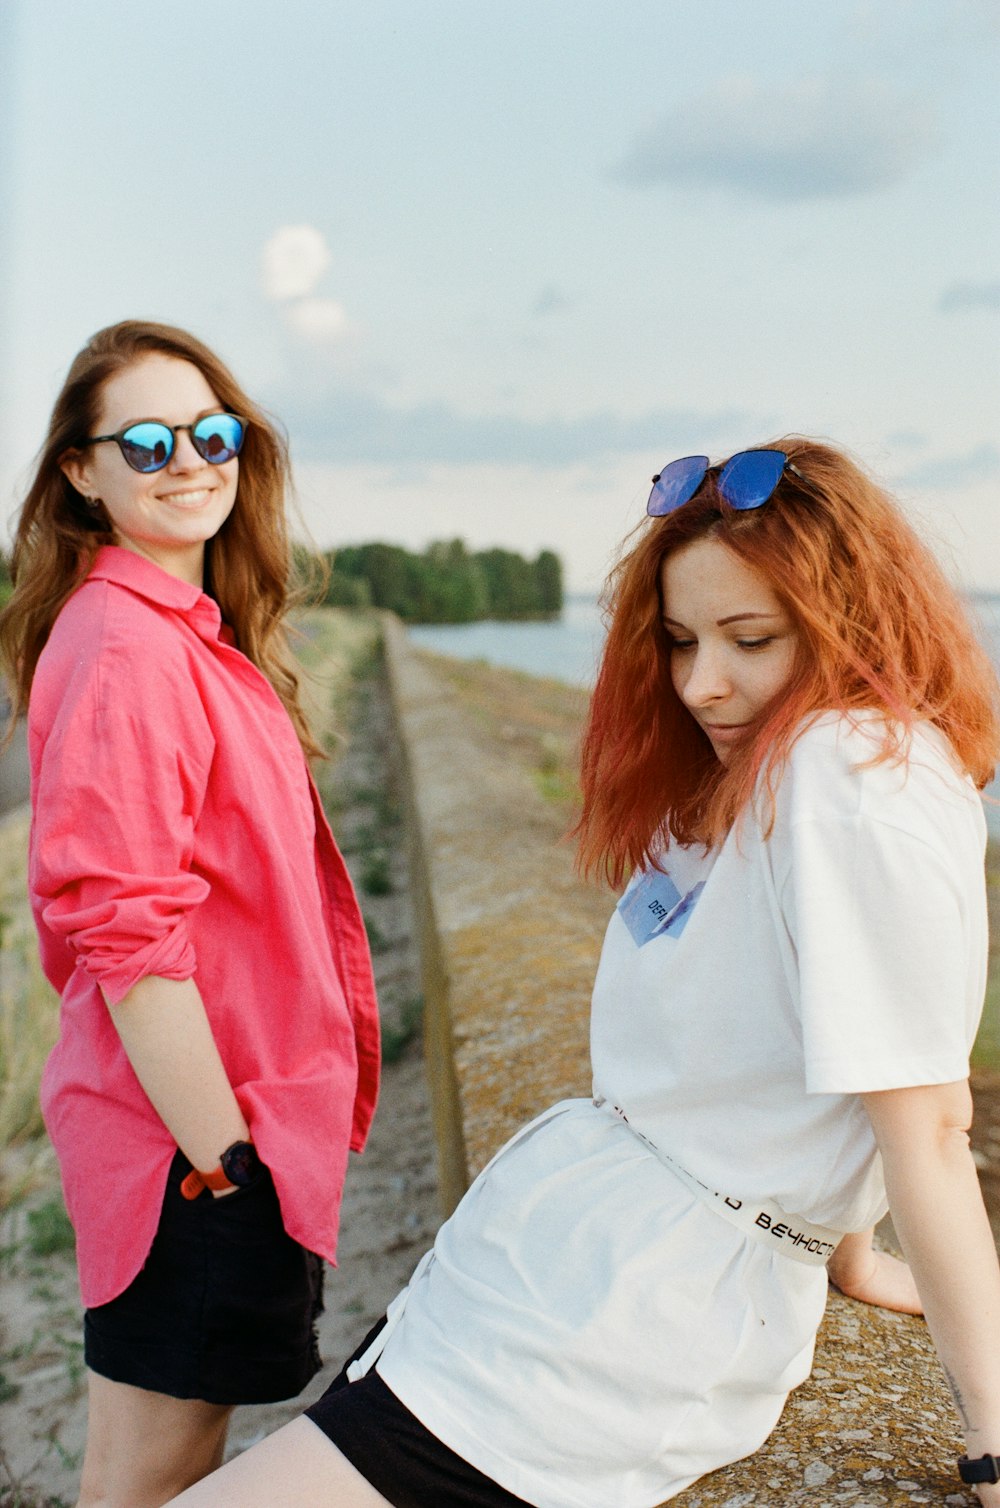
858	1270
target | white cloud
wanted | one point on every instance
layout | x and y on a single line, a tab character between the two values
320	320
981	464
551	300
293	261
349	426
811	139
970	296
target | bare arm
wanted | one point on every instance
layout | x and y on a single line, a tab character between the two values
942	1225
875	1277
168	1041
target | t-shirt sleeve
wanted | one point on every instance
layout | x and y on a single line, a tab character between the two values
119	781
879	920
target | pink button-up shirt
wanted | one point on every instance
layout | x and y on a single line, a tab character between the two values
177	832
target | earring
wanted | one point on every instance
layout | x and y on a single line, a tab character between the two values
94	503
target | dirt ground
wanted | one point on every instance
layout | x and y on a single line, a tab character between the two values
390	1207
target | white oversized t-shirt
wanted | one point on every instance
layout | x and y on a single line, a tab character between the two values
590	1333
845	953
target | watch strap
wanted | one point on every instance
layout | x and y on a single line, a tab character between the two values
196	1180
982	1469
216	1180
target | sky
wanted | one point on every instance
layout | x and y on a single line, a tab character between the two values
493	265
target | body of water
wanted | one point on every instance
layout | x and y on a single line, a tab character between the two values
569	647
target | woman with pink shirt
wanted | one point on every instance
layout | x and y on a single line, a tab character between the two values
218	1047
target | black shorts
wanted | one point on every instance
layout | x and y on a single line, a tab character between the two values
395	1452
224	1308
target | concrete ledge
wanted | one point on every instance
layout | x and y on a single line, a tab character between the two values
509	937
510	940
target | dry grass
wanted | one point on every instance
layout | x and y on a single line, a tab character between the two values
987	1050
330	645
28	1005
537	721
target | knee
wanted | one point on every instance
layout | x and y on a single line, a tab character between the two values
155	1498
144	1488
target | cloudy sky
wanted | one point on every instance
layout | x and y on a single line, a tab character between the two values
495	263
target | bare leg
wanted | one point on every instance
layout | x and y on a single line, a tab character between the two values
296	1467
144	1447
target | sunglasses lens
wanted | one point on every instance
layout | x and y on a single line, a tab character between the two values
748	480
218	437
676	485
147	447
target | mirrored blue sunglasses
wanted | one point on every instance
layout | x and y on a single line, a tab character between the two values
746	480
148	444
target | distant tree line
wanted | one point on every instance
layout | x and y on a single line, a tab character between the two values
446	583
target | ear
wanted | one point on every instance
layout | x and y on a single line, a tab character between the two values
77	467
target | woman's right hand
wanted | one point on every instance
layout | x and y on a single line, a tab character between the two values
168	1041
861	1271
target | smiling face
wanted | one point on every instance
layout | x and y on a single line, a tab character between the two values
166	515
732	643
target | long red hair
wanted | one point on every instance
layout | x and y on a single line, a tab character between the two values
879	627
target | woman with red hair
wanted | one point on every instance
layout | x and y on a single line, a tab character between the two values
783	751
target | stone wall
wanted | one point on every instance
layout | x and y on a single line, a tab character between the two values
510	938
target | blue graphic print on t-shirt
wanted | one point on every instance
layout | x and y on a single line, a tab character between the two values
654	907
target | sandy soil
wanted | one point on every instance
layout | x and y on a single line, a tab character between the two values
390	1208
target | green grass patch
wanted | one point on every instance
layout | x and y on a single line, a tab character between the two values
375	876
396	1038
49	1229
558	786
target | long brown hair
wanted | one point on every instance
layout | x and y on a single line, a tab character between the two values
879	627
248	565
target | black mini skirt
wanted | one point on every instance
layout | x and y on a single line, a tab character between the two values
394	1452
224	1308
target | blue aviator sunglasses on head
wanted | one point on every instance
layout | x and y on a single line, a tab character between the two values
746	480
148	444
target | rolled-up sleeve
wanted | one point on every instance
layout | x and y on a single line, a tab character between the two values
120	774
882	932
878	867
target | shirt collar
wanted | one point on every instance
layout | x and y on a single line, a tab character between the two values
137	574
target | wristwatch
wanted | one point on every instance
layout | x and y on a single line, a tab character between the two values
982	1469
238	1166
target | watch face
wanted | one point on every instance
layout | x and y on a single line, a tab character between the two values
240	1163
